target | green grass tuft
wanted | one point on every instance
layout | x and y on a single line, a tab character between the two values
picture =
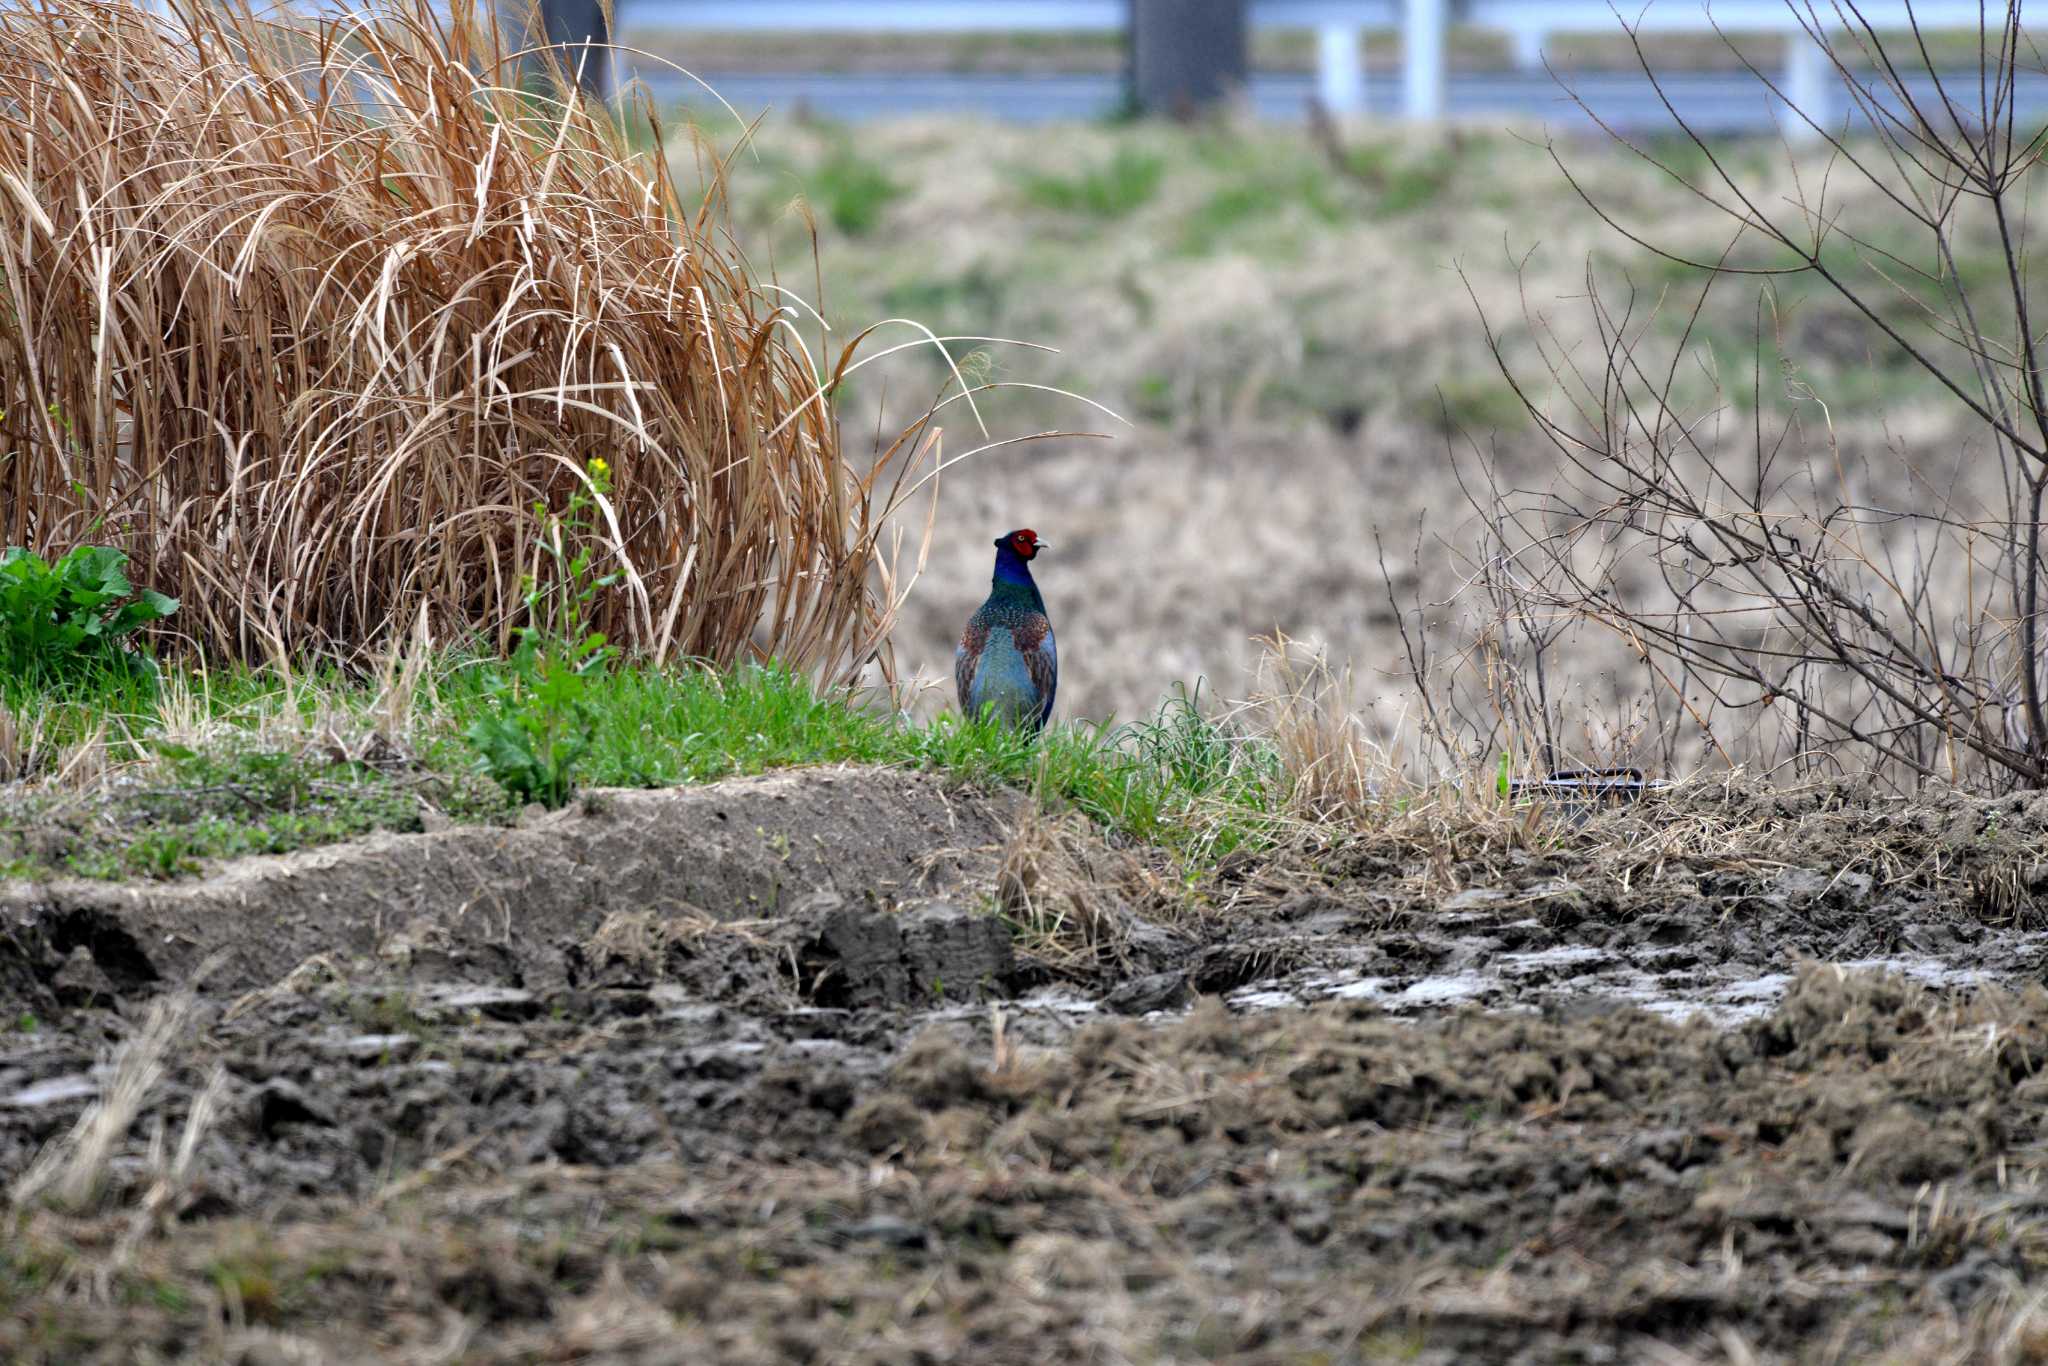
1118	188
1402	183
853	191
268	778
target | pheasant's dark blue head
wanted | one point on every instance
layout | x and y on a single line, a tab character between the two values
1025	543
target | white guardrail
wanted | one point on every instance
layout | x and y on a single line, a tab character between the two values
1341	27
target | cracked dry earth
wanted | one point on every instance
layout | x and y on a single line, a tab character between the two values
791	1069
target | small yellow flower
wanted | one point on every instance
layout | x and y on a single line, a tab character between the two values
598	467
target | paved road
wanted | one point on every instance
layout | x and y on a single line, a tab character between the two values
1714	102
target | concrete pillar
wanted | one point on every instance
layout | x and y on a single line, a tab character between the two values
1811	84
1340	69
580	30
1422	59
1186	54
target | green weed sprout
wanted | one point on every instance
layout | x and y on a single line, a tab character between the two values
541	724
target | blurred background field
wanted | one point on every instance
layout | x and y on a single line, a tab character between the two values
1292	325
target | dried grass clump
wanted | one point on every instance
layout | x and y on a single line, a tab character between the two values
1335	771
1062	890
1386	805
71	1171
307	314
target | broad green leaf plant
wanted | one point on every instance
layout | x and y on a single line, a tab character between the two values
73	621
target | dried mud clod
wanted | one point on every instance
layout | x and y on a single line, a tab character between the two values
1836	848
1697	899
937	952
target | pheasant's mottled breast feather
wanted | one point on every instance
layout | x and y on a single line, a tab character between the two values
969	654
1030	631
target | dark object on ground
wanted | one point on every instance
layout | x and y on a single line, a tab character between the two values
1186	54
1160	991
1582	791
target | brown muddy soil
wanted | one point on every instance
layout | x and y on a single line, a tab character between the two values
857	1067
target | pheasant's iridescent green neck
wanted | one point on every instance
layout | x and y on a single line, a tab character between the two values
1010	592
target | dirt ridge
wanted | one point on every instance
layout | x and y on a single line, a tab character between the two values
734	850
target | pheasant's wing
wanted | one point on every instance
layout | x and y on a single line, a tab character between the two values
1042	658
965	657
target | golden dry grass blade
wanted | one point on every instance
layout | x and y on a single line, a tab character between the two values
1334	770
72	1170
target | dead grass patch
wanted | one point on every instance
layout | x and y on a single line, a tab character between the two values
643	942
1067	893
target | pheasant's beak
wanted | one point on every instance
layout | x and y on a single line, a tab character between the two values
1041	545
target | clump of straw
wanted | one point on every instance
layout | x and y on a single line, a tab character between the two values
306	315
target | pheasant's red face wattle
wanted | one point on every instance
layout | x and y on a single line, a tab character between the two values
1026	543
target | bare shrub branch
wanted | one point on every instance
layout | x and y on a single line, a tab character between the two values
1835	599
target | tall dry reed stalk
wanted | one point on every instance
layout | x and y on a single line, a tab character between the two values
1334	770
307	314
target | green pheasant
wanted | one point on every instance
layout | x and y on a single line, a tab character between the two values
1007	660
